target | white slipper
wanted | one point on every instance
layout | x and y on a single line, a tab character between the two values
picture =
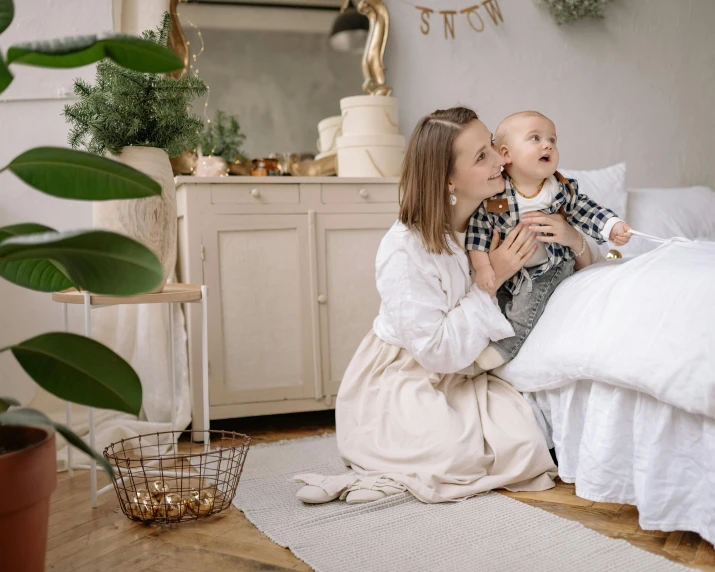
370	489
490	358
321	488
311	494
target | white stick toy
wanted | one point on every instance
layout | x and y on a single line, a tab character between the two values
659	240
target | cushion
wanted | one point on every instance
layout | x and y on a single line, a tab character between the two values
688	212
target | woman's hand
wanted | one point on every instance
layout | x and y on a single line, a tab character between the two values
508	258
554	225
555	228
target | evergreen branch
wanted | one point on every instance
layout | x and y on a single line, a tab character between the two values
165	30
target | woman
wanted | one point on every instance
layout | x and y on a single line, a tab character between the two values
411	412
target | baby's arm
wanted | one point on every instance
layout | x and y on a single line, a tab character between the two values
478	243
596	221
486	278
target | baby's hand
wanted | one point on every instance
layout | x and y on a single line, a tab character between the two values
486	279
620	233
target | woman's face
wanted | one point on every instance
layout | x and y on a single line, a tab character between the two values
477	166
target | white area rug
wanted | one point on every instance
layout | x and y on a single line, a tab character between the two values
492	533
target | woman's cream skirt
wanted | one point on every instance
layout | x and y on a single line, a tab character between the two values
445	437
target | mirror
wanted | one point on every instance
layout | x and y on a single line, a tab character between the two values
282	67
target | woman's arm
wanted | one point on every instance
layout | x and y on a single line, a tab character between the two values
442	334
508	258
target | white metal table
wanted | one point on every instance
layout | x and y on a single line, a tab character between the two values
172	294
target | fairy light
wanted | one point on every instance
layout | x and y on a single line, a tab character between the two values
193	66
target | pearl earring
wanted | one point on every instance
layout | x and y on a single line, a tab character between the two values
452	198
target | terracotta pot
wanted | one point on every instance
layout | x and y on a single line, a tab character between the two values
151	221
28	475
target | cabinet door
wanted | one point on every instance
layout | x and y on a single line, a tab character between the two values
349	302
260	332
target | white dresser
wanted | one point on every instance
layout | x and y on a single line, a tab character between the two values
290	267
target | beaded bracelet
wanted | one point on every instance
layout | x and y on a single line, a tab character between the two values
583	247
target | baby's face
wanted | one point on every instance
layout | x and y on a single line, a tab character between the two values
532	150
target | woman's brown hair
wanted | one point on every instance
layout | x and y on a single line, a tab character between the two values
424	184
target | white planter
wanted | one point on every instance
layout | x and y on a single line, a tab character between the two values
328	130
370	155
150	221
369	115
211	166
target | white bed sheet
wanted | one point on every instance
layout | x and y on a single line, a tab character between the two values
623	446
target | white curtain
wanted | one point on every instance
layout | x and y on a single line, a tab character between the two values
140	334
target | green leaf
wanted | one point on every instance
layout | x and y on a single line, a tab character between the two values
5	75
6	403
40	275
32	417
128	51
98	261
80	370
7	11
71	174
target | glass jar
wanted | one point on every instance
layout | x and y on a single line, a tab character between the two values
265	168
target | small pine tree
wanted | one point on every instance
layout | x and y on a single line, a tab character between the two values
125	108
223	138
566	11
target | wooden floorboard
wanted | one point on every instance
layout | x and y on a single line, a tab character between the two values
82	539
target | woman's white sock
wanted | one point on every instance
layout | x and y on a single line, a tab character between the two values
490	358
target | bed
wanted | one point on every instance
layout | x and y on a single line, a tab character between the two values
621	367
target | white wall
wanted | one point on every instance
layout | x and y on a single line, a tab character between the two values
30	116
638	86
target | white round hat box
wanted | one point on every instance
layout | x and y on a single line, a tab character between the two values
375	155
369	114
328	131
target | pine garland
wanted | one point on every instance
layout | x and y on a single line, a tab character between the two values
223	138
566	11
125	108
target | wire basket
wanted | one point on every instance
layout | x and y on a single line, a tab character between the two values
195	482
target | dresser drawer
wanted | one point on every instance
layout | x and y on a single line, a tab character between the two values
256	194
357	193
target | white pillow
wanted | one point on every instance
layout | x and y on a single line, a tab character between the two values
688	212
605	186
643	324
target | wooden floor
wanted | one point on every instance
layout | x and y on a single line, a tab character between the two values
82	539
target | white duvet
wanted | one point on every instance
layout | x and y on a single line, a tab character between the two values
646	324
622	365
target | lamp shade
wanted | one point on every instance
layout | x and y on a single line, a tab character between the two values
349	32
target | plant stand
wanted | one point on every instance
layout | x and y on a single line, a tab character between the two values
172	294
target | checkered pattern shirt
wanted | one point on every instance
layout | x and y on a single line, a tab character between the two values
581	212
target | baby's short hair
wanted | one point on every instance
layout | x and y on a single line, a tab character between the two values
500	133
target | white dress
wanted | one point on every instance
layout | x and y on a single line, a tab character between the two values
405	412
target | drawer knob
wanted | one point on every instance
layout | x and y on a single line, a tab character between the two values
322	299
363	193
255	193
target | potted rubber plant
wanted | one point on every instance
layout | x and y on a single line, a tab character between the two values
221	146
37	257
143	119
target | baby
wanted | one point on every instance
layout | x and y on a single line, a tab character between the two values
527	140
